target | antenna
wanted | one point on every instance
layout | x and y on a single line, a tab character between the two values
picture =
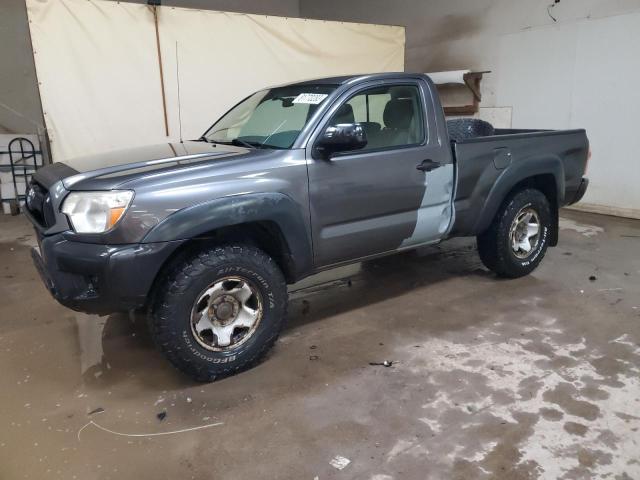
178	83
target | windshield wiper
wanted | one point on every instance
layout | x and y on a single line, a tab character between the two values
244	143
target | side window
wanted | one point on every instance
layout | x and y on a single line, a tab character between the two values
391	115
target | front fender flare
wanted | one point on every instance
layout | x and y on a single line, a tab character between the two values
279	208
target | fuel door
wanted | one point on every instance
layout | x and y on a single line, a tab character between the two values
501	158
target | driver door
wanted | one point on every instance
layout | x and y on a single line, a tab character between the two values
377	199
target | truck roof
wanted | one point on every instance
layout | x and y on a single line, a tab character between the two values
343	79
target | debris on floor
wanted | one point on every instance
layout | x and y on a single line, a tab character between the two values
386	363
162	415
339	462
97	410
593	278
155	434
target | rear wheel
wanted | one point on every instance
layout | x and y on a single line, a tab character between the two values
517	239
219	311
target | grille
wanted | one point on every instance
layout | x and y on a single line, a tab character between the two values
39	205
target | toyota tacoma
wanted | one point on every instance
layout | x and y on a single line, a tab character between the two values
205	235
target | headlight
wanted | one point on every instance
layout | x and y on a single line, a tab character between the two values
96	212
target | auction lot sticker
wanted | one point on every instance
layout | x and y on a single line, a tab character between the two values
312	98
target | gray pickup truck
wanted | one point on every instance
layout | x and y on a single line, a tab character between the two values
205	235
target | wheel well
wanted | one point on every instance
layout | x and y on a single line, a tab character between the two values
266	236
545	183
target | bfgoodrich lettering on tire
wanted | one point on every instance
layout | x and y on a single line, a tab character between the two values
219	311
517	239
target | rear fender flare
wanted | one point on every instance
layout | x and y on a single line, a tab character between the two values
512	176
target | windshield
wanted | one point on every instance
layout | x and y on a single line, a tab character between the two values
270	118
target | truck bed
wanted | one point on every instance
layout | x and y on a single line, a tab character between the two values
486	165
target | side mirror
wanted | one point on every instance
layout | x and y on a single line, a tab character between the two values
343	137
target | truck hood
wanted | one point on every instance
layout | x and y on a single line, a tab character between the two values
107	170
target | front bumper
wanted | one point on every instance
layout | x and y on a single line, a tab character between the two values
99	279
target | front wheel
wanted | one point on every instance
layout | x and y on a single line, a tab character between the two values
517	239
219	311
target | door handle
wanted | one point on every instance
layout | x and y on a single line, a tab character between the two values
428	165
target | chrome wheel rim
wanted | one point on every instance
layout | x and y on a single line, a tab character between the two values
226	313
524	234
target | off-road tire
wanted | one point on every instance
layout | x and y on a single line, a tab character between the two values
494	245
170	313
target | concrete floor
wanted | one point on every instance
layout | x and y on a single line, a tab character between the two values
529	378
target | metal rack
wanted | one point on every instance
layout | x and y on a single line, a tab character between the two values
23	162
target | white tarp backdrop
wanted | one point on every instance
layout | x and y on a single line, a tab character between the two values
97	66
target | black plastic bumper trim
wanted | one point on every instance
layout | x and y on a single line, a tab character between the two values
99	279
582	189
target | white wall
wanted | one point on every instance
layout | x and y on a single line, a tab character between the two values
582	75
580	71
